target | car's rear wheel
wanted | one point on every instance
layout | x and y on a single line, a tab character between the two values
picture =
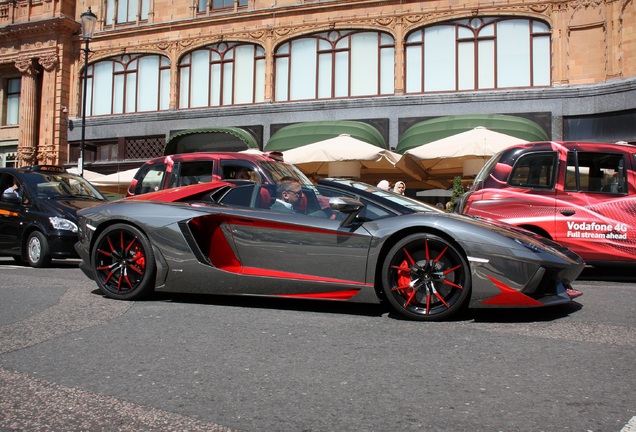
37	250
123	262
426	278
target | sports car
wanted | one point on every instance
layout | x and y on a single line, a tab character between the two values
345	240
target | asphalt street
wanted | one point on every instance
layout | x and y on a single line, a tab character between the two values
73	360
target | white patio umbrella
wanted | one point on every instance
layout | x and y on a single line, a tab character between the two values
121	178
344	156
462	154
88	175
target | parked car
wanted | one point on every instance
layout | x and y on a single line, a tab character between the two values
582	195
345	241
38	220
190	168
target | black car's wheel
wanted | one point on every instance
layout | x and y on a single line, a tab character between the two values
123	262
426	278
37	250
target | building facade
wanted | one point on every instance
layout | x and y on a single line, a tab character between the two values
157	67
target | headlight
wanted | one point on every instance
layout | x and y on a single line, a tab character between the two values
533	247
63	224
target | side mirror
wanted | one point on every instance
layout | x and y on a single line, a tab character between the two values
11	198
349	206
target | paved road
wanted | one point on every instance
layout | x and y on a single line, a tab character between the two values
72	360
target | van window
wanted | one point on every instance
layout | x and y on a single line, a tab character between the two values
151	180
535	170
234	170
194	172
596	172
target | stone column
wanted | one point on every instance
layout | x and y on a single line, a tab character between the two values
27	143
47	153
268	44
400	67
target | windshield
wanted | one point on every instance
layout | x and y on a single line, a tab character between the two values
61	185
279	170
405	201
487	169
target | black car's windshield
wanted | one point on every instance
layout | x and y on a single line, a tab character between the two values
61	185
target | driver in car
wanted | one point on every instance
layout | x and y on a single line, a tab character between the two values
288	195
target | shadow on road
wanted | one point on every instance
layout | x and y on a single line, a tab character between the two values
321	306
500	315
70	263
615	274
544	314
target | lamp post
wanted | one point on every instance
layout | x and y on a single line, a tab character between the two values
89	19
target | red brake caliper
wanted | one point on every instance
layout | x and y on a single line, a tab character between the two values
135	260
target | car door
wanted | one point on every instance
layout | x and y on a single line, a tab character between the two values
595	216
307	247
12	220
528	197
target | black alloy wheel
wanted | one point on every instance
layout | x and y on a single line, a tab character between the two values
426	278
123	263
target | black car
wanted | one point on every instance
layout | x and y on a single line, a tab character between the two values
38	212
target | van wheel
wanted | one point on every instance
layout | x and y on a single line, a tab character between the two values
38	254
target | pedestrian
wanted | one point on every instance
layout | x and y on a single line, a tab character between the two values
399	188
384	184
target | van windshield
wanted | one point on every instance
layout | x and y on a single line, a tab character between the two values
485	171
278	170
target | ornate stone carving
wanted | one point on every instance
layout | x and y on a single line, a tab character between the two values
48	61
540	7
46	155
26	155
386	22
25	65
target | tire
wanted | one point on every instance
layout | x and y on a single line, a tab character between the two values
123	263
37	250
426	278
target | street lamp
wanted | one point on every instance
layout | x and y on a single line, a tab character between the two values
89	19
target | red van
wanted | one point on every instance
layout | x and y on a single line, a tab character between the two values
583	195
184	169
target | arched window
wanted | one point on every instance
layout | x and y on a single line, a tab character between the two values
128	84
335	64
222	74
478	53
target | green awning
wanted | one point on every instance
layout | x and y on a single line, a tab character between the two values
432	130
210	139
300	134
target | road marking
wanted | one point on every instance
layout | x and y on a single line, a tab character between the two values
630	426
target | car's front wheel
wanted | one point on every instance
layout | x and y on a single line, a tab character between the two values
123	262
426	277
37	250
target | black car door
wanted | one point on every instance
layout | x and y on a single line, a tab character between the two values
11	220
